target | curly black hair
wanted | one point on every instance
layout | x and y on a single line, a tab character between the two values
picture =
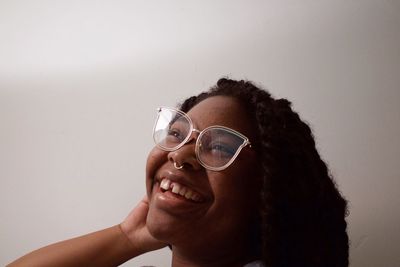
302	212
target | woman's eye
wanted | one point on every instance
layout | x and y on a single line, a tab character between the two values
222	149
175	134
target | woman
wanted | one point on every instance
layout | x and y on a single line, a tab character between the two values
234	180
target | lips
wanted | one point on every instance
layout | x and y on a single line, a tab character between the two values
180	190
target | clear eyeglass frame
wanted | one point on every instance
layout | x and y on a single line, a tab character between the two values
246	141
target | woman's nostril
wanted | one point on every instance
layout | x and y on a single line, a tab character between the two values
184	156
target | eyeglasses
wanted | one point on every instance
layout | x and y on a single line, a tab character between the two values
216	146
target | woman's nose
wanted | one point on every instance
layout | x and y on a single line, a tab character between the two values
185	157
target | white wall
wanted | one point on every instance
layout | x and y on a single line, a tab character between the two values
80	81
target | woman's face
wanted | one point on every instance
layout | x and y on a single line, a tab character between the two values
219	205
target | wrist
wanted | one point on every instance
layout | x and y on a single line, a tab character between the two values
129	249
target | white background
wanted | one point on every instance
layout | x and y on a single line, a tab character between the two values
80	81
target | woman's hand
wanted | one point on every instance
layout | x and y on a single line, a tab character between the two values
134	227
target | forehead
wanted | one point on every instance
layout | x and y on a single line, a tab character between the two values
222	110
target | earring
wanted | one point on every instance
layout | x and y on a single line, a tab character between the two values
178	167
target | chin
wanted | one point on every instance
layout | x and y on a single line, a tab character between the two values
161	226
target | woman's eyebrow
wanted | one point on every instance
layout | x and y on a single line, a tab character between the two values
179	119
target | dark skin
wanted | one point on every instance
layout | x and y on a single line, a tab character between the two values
212	231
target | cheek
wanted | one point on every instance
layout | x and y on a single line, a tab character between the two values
232	209
228	189
238	189
155	160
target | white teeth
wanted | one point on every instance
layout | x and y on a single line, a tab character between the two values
177	188
182	191
189	194
165	183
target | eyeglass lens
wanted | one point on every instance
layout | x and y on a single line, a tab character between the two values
171	129
215	147
218	146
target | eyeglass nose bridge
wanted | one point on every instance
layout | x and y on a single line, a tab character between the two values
191	137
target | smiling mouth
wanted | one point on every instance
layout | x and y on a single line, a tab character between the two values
180	190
